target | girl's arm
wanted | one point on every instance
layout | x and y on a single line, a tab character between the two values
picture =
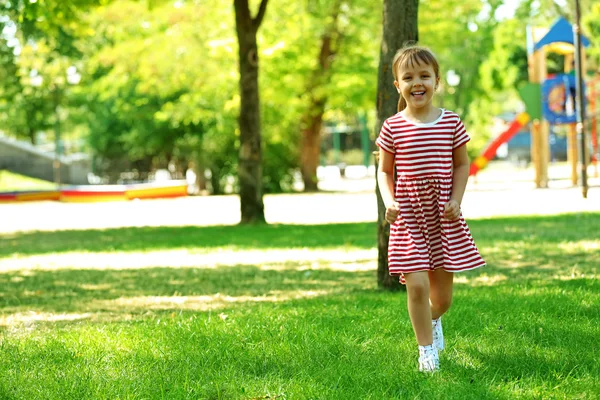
460	175
385	177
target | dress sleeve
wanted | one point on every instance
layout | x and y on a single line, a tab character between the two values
460	135
385	139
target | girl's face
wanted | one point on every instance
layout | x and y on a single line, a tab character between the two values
417	83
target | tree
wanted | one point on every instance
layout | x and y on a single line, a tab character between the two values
400	24
591	23
250	157
41	79
321	70
58	21
158	92
42	36
312	120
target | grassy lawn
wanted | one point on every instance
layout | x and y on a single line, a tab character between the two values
10	182
292	312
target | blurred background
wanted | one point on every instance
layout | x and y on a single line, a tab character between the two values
126	92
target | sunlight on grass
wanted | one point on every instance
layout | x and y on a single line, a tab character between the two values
28	318
89	286
578	275
582	245
104	310
342	259
9	181
482	280
198	303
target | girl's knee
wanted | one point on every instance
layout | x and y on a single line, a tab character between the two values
417	289
442	303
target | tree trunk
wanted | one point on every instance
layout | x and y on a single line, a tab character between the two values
312	121
250	156
31	135
384	280
399	26
311	144
215	181
199	170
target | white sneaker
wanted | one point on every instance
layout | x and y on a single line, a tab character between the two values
429	360
438	334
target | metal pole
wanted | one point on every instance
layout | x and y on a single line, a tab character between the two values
594	131
336	145
580	98
57	144
364	139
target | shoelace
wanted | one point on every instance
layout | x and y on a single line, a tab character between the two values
427	364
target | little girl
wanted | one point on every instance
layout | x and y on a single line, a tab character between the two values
429	239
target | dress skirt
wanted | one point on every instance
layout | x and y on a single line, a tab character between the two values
421	239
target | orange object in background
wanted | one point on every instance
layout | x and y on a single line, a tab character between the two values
41	195
152	191
94	194
490	151
102	193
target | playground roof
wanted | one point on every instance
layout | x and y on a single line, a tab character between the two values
560	32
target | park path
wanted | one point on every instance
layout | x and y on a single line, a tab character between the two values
497	193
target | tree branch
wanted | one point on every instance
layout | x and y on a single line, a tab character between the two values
261	14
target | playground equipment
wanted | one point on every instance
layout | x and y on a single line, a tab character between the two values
490	151
101	193
548	100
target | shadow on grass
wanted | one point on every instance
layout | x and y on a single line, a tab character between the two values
528	352
361	235
549	229
488	233
168	288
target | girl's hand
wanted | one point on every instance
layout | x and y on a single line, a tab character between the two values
391	213
451	210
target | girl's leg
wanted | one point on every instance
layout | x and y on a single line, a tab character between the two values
440	292
417	287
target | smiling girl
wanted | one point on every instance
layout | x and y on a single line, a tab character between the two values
429	239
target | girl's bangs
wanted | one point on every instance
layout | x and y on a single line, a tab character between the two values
416	58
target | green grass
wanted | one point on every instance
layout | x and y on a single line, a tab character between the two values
10	182
125	314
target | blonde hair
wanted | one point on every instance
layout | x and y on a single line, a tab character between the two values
411	55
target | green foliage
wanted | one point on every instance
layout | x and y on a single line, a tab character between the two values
545	12
44	82
14	182
159	79
501	73
349	157
8	73
468	35
57	21
290	60
157	84
37	51
591	24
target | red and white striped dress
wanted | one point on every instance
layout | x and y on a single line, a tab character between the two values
421	239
